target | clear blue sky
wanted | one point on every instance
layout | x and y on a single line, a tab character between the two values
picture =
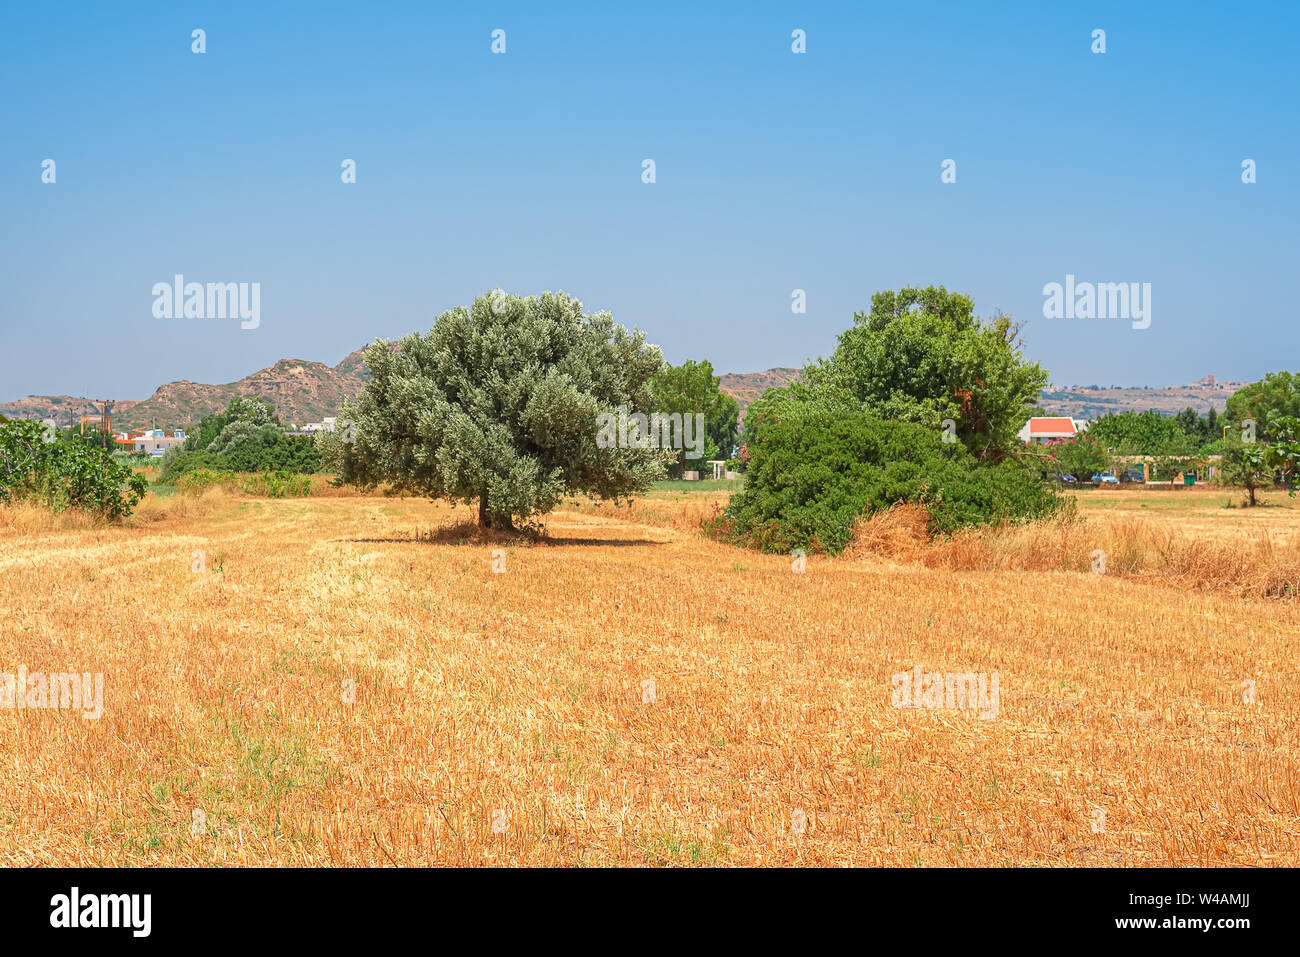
775	171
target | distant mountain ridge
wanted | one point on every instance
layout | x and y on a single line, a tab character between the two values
301	392
1090	402
304	391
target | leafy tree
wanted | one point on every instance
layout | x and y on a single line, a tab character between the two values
1245	465
1083	456
692	388
1284	450
921	355
1141	433
1262	442
1253	462
253	411
1274	396
499	403
37	464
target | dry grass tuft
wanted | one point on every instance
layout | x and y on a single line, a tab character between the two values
900	533
182	507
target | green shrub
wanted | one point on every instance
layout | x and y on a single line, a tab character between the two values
42	466
272	484
277	484
815	471
198	480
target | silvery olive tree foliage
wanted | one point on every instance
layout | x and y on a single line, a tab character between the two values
498	404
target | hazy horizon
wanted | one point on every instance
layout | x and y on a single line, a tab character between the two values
1085	383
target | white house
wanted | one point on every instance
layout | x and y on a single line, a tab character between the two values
1051	429
150	441
324	425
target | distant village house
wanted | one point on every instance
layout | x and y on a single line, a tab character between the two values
1051	430
149	441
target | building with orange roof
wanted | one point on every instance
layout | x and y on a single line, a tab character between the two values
1051	429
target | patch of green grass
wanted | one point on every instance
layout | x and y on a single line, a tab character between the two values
869	760
703	485
992	785
279	764
671	847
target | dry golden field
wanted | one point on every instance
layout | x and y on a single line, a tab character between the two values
346	680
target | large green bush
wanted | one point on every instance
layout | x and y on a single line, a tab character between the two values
38	464
817	468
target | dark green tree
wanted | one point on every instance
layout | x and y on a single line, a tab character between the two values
1083	456
692	388
922	355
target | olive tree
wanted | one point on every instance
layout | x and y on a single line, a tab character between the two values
498	404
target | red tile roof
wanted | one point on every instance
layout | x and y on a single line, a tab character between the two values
1053	426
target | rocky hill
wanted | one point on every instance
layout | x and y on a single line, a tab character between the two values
745	387
301	392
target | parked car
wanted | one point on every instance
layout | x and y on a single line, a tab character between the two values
1104	478
1132	475
1067	480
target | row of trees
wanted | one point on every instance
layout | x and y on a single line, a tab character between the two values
498	404
920	402
1150	433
